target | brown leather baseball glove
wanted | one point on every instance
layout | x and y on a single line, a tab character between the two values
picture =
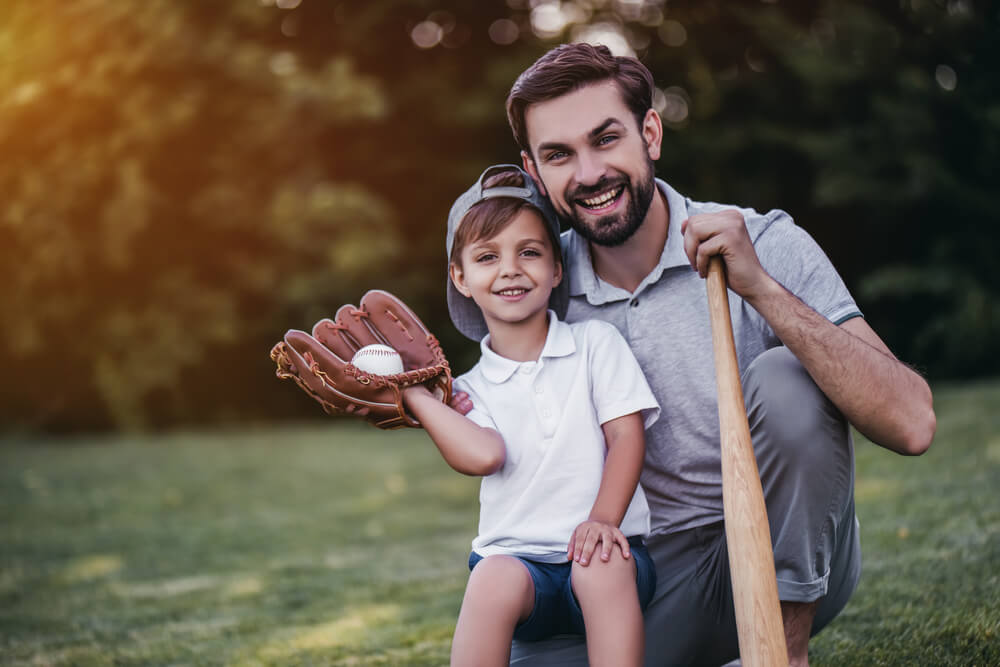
321	363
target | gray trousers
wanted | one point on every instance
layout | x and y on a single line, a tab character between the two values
806	460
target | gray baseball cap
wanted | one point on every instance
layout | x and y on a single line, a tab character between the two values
465	314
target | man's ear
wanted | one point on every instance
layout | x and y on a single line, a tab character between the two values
652	133
529	166
458	279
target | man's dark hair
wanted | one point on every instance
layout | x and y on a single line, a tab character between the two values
568	67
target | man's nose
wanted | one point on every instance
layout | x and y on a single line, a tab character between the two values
590	168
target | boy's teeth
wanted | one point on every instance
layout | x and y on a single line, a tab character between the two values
512	292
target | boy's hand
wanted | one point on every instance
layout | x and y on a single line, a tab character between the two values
585	537
461	403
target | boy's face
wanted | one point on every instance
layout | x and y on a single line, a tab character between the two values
511	275
593	161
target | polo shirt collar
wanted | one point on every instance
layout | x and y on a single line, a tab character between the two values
580	271
559	342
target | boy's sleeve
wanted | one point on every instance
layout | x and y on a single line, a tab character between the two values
618	385
479	413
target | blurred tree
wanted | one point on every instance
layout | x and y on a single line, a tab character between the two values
184	180
165	202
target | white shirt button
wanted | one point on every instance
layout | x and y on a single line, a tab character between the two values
539	390
546	413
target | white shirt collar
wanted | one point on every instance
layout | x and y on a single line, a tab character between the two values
559	342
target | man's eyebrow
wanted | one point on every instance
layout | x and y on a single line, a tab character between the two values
603	126
556	145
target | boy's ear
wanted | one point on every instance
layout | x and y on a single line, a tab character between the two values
529	166
458	279
559	274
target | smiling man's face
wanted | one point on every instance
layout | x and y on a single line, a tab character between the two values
594	160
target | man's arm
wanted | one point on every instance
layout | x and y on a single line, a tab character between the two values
626	450
466	446
883	398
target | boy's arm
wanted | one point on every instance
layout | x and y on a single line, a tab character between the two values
626	450
466	446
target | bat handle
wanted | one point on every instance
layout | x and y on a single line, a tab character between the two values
748	537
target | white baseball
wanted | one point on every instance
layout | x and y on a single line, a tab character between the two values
378	360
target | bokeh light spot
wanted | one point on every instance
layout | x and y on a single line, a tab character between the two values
630	10
426	34
504	31
605	34
26	92
548	20
959	8
672	33
288	4
671	104
444	19
638	39
946	77
284	64
290	26
651	16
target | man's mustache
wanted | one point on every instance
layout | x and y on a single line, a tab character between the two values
585	191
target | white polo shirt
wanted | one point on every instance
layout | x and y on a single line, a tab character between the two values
549	413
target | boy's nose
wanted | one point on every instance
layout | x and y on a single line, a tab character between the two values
510	267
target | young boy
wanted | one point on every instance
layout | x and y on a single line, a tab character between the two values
556	432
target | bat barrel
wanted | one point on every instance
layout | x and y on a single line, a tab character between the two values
751	558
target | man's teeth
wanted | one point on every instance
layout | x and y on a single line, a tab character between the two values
601	200
513	292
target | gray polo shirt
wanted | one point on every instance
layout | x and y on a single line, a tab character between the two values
666	323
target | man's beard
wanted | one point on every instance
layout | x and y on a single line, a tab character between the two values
614	230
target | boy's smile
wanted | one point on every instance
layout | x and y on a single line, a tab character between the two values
511	275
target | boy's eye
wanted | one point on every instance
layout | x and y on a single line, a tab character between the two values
531	252
607	139
485	257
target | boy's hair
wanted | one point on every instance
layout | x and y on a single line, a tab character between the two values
491	216
569	67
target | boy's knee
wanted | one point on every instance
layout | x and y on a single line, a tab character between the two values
603	578
500	580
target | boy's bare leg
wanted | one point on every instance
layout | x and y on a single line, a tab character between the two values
499	595
610	604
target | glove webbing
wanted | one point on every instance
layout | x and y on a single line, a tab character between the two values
406	379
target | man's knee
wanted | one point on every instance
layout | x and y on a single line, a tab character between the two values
787	411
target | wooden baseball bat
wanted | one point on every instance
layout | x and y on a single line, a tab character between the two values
751	558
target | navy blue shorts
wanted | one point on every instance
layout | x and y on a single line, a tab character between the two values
556	611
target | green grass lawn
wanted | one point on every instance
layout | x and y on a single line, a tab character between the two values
338	544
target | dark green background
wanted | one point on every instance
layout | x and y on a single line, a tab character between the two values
184	180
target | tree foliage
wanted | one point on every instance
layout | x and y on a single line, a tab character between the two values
184	180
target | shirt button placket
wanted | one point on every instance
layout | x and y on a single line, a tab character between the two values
545	410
